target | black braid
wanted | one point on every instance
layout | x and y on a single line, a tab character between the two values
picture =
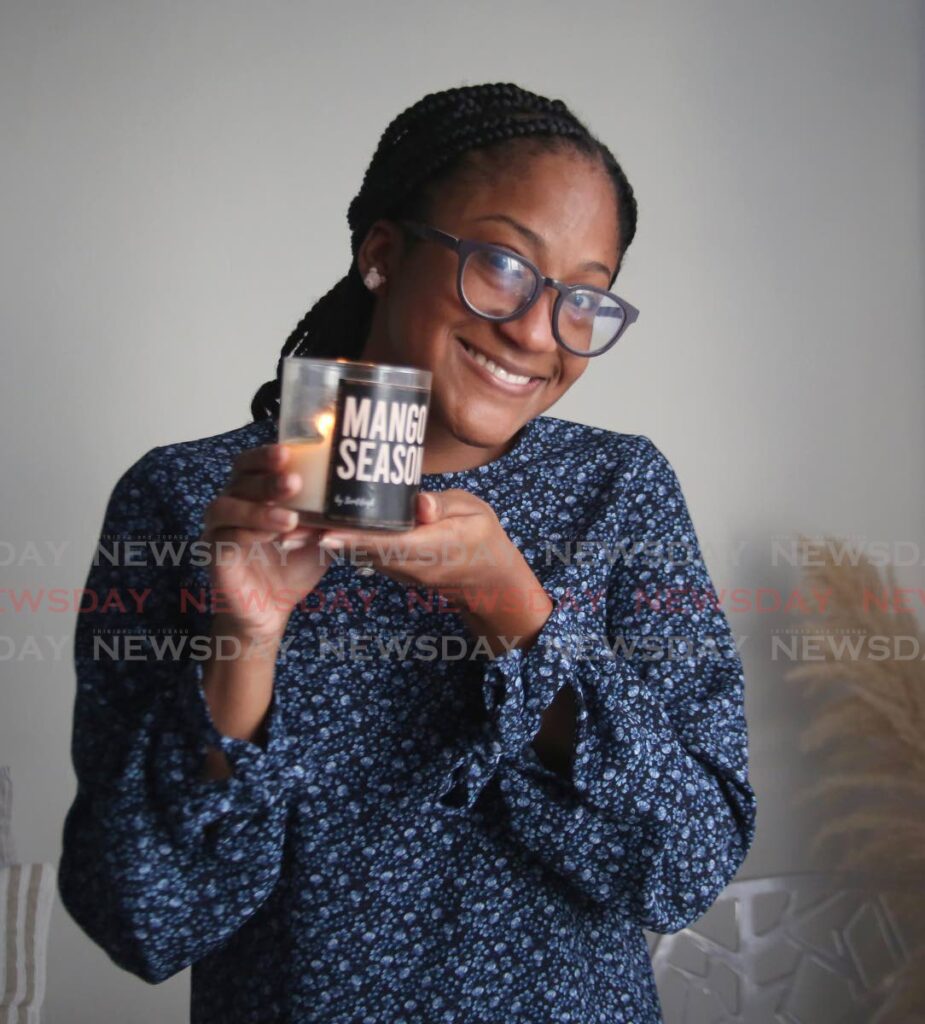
335	326
422	147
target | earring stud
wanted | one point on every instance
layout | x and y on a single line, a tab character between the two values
373	279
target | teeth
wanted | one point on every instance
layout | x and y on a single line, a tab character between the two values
494	370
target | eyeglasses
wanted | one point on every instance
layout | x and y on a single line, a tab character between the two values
499	284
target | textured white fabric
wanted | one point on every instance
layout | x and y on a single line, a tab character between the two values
26	895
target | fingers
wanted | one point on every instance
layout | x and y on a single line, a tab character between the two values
428	507
264	486
300	537
436	505
264	458
437	513
260	474
246	510
229	512
431	508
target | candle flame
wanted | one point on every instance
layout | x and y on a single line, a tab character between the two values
325	423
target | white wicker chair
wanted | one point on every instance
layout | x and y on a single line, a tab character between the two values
807	948
27	892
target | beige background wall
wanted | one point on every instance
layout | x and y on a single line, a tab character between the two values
173	193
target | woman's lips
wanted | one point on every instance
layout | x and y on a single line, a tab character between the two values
507	386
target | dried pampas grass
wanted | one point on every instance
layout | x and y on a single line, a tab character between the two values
868	731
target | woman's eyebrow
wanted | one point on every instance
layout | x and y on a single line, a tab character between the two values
539	243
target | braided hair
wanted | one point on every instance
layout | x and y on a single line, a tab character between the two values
421	149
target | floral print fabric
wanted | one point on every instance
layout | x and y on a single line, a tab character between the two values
398	852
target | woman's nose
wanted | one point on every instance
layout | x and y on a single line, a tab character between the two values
533	330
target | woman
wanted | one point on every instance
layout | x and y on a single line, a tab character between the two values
327	823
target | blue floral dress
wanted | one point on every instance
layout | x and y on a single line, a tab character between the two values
397	852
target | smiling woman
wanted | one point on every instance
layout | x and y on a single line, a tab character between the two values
432	310
328	835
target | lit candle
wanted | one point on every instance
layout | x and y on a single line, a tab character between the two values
310	458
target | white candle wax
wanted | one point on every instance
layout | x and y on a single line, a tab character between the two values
310	458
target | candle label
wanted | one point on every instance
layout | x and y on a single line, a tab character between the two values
377	451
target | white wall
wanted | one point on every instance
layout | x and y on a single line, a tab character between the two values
174	190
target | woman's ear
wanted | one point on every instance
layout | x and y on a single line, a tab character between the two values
380	249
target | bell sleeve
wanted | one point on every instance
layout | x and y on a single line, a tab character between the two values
658	813
158	866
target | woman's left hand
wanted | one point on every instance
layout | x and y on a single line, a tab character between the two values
459	549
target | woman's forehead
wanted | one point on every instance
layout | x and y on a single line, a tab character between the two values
566	201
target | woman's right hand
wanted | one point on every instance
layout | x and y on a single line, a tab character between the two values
257	581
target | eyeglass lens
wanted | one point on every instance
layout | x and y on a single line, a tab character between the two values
498	284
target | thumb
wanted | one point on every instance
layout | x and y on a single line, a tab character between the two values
429	506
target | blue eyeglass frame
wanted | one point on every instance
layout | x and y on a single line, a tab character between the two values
464	247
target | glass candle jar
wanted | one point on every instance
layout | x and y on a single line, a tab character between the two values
356	433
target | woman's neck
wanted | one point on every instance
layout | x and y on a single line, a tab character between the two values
445	453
